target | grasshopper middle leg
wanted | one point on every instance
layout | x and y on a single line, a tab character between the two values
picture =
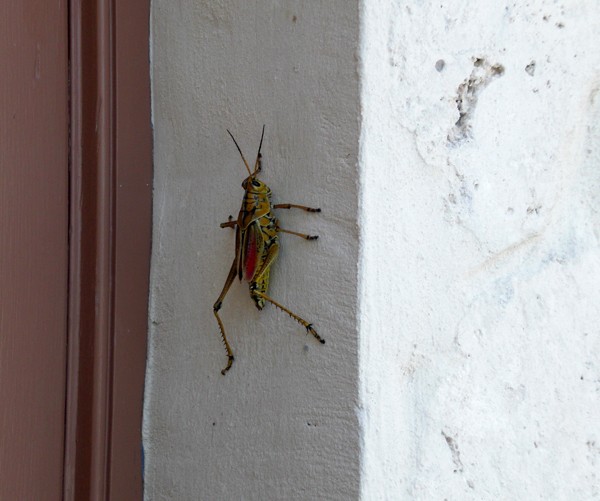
301	235
232	224
296	206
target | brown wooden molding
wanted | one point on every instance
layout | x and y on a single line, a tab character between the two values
34	182
110	212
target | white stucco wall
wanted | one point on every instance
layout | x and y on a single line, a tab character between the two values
459	143
480	261
282	423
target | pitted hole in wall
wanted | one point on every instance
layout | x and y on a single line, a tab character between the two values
534	206
453	446
530	68
593	452
440	64
592	99
467	95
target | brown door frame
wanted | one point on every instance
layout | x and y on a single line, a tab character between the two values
110	236
33	247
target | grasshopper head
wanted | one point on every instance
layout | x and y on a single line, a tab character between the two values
252	183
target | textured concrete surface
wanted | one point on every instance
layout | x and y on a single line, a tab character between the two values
282	423
480	262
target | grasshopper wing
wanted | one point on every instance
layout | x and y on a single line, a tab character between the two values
252	250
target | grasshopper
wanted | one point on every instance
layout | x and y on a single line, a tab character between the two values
257	245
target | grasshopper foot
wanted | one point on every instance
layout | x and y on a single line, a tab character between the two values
229	364
309	328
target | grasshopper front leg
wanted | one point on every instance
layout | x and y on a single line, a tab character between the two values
231	223
217	307
295	206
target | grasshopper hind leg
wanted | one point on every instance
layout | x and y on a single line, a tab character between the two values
217	307
230	357
309	327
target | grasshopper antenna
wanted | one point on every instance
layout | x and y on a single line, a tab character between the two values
241	154
257	163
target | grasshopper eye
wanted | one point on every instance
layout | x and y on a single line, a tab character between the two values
255	183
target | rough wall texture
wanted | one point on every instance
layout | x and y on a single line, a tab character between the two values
480	265
282	424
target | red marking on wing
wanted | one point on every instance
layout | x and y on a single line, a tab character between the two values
250	254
